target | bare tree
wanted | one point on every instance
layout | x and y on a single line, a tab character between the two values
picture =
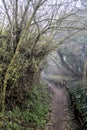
35	31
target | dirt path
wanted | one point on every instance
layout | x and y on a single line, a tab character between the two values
61	116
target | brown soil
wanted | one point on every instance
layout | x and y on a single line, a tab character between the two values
61	116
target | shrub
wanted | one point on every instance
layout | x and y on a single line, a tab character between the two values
32	117
78	93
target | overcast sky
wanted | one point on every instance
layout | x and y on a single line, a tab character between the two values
53	1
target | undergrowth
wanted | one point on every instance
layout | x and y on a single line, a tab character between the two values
33	117
78	94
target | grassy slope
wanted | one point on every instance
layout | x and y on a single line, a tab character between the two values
31	118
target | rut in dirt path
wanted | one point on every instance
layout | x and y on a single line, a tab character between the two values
61	117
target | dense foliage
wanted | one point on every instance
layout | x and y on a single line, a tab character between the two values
21	73
33	117
78	93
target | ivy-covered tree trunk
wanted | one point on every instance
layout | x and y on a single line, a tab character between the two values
30	36
10	66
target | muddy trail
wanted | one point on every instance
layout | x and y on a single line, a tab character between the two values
61	116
